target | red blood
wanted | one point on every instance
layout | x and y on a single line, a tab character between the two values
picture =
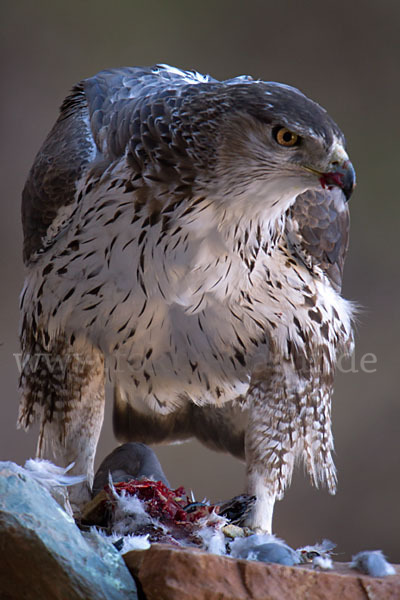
168	508
331	179
159	501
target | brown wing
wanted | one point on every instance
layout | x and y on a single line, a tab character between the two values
96	122
58	164
318	228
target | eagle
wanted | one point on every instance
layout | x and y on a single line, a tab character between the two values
184	240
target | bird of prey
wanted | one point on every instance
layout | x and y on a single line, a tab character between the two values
184	238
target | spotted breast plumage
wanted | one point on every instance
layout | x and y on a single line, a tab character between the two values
185	238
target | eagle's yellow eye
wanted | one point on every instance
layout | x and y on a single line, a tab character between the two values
285	137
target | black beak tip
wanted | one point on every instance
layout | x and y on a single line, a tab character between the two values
348	180
343	177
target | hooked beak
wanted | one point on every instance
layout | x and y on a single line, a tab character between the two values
339	172
342	176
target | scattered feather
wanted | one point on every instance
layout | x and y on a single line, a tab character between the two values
53	478
324	563
129	514
275	553
49	475
318	555
372	562
141	512
135	542
213	540
265	548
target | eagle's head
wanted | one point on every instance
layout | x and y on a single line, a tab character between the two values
270	143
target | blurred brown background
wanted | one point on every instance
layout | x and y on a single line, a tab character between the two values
344	55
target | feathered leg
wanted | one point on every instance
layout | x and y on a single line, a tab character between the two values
289	416
63	387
